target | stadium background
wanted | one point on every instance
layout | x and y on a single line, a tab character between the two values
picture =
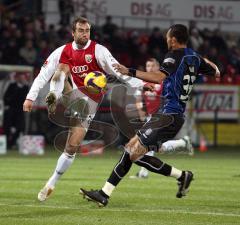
31	30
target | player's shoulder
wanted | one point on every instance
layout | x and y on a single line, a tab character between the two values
173	56
177	55
67	47
101	47
58	50
102	52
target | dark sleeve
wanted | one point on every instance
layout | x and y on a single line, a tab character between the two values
169	64
205	68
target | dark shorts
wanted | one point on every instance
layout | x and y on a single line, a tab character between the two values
159	129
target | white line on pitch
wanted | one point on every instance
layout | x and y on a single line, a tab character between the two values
128	210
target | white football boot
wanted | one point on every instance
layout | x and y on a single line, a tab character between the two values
142	174
44	193
189	146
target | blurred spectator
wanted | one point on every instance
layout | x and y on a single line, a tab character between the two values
19	32
234	58
39	23
213	54
10	53
218	42
119	41
43	53
19	37
14	97
143	55
204	48
237	79
156	40
51	34
28	53
195	39
108	28
66	10
64	34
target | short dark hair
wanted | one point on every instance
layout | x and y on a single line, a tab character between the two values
154	60
79	20
180	32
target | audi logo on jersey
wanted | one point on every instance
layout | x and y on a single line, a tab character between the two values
79	69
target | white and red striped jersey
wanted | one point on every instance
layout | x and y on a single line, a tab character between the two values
93	57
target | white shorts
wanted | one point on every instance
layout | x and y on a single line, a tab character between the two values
80	106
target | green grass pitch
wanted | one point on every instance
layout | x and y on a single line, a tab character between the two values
214	197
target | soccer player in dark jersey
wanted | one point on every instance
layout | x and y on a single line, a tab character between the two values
179	70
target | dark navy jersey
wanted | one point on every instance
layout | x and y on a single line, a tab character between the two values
181	66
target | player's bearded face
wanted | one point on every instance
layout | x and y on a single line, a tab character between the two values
81	34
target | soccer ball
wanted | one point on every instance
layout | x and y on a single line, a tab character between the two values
95	82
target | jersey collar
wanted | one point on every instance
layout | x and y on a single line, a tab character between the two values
74	45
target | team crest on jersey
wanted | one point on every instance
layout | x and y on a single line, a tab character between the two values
88	58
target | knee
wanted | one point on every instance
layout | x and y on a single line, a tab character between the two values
72	149
137	151
70	155
124	165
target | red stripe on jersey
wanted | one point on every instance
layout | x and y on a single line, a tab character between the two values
81	62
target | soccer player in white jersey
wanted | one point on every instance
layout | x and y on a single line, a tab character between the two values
73	61
147	104
77	58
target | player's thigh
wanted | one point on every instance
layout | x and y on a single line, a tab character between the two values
83	108
161	128
67	86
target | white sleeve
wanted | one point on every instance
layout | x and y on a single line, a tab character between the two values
45	74
105	60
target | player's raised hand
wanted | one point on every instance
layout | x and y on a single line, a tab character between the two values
218	74
121	68
149	87
27	105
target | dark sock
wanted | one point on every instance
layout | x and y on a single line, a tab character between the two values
154	165
120	170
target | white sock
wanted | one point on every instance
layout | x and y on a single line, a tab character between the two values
57	85
173	145
108	188
151	153
63	163
143	172
176	173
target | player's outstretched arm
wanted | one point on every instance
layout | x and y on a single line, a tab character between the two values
217	75
153	77
44	76
105	60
